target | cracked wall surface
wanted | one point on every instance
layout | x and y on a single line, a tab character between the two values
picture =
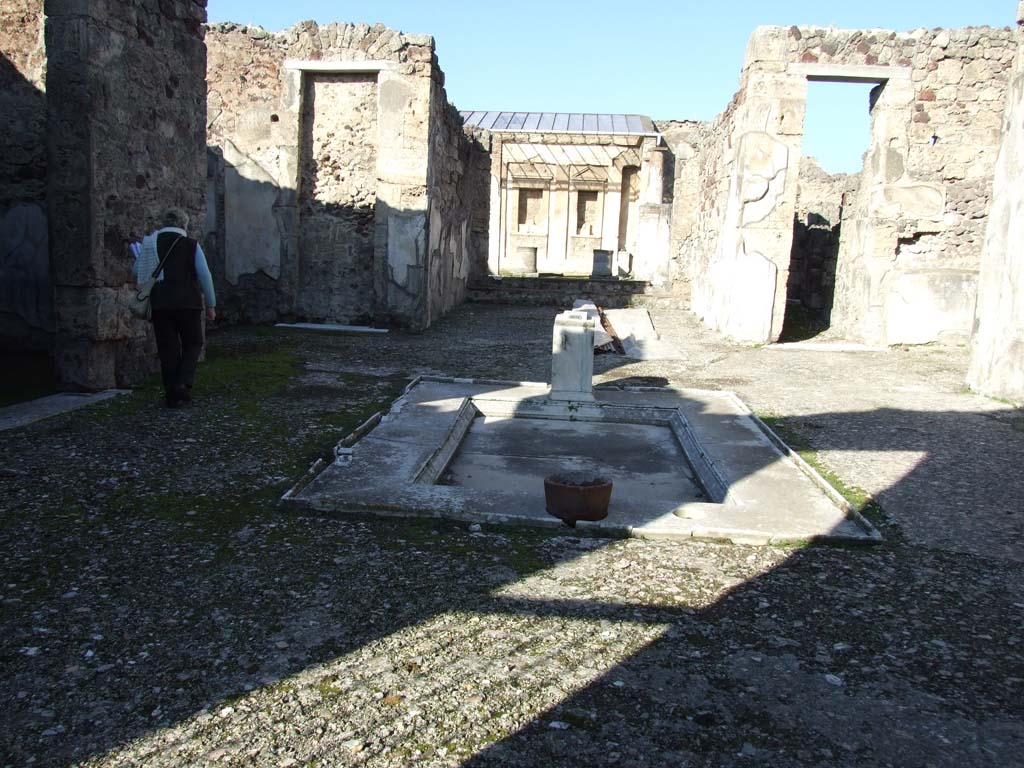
911	245
459	206
102	106
997	363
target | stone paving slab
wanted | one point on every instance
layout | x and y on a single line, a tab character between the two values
765	496
23	414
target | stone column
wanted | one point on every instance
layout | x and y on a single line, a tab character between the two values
651	261
495	233
126	125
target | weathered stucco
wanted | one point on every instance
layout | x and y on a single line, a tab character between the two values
912	240
337	191
997	364
458	189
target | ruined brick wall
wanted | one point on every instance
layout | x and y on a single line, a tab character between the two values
997	362
244	90
126	97
321	171
26	301
458	190
921	206
926	192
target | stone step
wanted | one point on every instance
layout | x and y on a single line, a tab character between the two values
562	291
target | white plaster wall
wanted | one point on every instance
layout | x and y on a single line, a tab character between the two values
997	364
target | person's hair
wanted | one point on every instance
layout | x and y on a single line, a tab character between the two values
175	217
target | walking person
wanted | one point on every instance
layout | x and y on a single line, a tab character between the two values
177	301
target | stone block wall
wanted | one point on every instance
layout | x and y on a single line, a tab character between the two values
910	254
327	146
911	249
482	143
26	295
997	363
125	104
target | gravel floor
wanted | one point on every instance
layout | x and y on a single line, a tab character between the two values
157	608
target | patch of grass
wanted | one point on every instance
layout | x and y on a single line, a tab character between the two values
859	499
249	379
251	386
523	559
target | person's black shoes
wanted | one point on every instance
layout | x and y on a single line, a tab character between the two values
178	399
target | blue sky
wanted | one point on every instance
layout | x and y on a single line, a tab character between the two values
677	59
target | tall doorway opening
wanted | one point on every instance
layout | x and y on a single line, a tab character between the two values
837	134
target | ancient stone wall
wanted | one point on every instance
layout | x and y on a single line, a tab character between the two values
458	187
323	139
126	98
26	296
721	286
911	251
997	364
483	164
686	140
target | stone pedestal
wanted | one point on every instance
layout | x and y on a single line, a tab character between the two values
572	357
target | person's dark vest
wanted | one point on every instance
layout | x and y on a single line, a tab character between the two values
180	287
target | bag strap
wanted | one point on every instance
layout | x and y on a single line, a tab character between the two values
160	266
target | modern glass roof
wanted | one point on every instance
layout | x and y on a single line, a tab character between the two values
559	122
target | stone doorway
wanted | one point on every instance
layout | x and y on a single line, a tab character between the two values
337	193
837	129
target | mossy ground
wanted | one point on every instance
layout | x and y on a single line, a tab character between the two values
859	499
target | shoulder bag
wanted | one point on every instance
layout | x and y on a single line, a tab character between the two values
140	304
